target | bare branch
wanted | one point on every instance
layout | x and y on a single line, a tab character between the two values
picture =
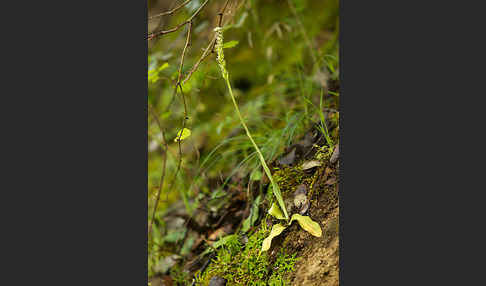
205	54
160	33
179	85
170	12
220	14
209	48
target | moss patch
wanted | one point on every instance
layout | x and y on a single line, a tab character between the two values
245	265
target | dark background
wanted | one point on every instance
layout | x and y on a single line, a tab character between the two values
74	130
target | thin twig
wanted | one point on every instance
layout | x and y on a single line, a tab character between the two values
205	54
220	14
188	39
179	85
170	12
164	164
209	48
160	33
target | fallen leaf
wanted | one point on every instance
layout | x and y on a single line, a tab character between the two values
311	164
335	155
288	159
331	181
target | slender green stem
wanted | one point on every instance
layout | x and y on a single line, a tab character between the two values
276	189
224	73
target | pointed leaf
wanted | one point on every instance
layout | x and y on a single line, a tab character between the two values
230	44
308	224
276	212
276	230
163	67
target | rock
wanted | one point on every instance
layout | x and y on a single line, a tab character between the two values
166	263
217	281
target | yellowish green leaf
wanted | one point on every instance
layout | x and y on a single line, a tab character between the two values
256	175
163	67
230	44
276	230
276	212
153	75
185	133
307	224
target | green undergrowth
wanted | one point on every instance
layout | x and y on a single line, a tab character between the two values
244	265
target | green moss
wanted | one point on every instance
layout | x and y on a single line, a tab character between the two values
283	264
246	265
288	178
179	276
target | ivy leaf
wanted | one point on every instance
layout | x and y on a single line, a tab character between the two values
276	212
185	133
307	224
276	230
230	44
